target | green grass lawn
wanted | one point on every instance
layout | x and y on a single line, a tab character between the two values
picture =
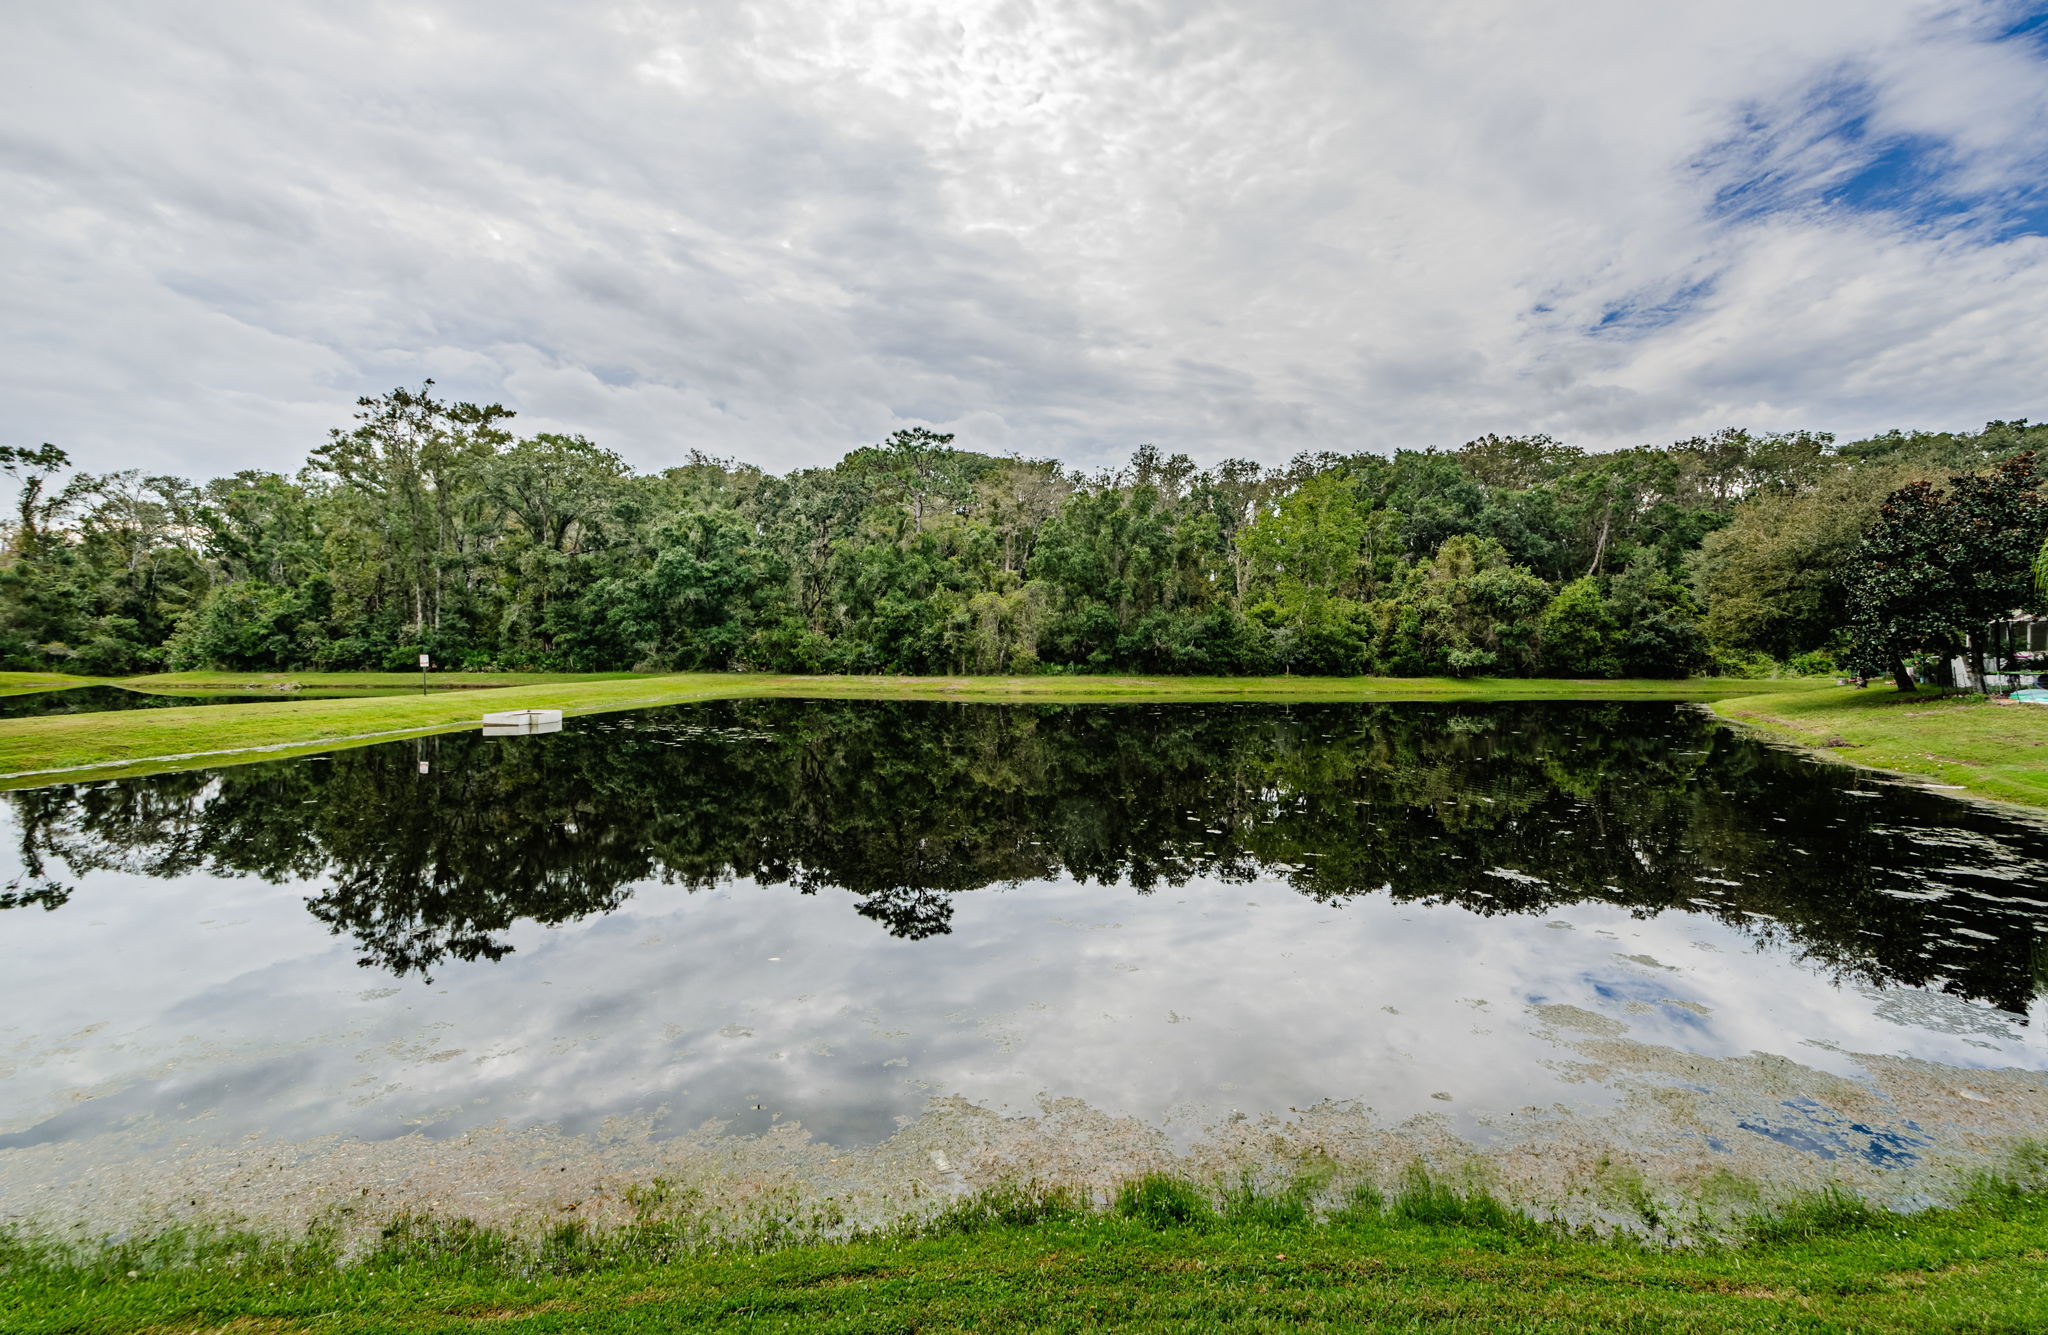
143	740
23	683
36	750
178	683
1993	750
1162	1259
1145	690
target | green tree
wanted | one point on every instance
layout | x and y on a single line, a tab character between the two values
548	503
1312	561
922	468
34	507
250	624
1942	563
1776	579
1660	634
1468	610
1516	463
710	589
413	463
1579	633
1006	624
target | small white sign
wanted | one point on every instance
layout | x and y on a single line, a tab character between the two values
424	662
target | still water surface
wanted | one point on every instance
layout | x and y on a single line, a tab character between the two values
752	912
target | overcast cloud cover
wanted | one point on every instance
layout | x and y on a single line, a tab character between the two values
778	230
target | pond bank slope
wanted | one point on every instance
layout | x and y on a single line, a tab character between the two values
1162	1258
1990	749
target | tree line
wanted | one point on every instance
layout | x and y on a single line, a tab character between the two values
429	526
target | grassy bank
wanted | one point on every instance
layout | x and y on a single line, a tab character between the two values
1165	1256
284	682
22	683
144	740
36	750
1144	690
1993	750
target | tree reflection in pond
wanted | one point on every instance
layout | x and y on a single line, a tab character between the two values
1497	809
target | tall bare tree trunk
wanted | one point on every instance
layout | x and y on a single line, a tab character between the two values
1600	547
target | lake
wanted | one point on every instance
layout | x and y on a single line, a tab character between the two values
867	944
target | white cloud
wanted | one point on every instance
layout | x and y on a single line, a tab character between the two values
780	230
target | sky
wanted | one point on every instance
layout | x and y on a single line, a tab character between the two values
777	230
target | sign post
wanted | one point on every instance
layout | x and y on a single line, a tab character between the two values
425	663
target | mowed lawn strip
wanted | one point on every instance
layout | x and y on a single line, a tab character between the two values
174	682
1905	1276
1062	689
1992	749
24	683
131	741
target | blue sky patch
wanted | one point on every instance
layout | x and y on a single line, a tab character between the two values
1826	151
2031	27
1643	312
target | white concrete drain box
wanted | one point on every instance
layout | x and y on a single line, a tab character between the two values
522	722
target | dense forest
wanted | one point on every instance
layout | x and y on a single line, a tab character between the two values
433	527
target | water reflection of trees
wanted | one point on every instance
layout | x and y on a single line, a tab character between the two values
1506	809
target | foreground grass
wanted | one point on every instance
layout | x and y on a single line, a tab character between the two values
1999	751
34	750
1163	1258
